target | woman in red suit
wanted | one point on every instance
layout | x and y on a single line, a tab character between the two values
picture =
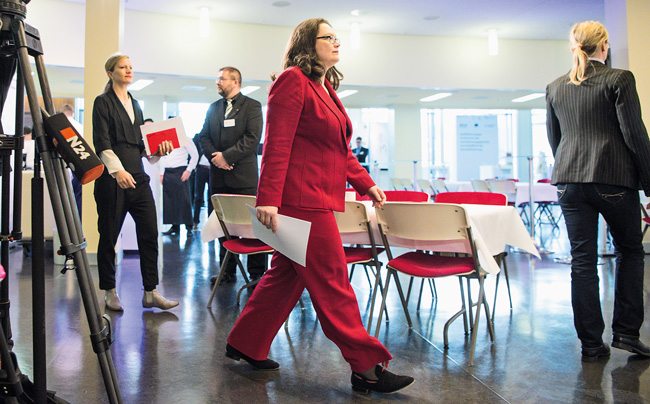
306	163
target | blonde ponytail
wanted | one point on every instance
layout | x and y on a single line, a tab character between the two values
586	38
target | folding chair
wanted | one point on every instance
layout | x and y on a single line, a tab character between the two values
506	187
480	186
426	229
425	186
355	229
397	184
483	198
407	184
235	221
439	186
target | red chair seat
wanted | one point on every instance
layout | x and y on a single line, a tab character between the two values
246	246
357	255
431	266
646	219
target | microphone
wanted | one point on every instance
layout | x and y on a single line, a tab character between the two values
74	150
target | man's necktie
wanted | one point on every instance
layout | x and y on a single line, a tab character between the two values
228	107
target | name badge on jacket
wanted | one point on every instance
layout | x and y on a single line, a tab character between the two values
229	123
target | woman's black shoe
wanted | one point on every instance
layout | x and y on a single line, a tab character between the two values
174	230
386	382
267	364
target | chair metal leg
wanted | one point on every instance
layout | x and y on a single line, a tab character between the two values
241	269
221	271
420	296
383	301
472	344
398	284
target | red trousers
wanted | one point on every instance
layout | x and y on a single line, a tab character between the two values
326	279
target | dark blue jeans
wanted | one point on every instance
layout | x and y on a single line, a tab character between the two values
581	204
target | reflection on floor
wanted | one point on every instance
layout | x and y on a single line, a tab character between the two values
178	356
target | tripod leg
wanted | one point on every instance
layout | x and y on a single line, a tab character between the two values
62	199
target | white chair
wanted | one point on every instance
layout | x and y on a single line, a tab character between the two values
397	184
439	186
355	229
425	186
235	221
506	187
480	186
427	229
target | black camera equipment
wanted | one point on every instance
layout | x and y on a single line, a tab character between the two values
19	41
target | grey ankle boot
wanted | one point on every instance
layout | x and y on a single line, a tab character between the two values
112	300
154	299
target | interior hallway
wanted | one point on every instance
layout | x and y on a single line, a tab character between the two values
178	356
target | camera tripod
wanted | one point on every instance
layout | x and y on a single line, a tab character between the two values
19	41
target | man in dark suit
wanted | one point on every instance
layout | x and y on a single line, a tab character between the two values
602	159
229	139
361	153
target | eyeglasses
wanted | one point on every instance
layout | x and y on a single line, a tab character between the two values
223	79
331	39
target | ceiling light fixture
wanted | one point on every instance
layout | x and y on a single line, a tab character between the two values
346	93
249	89
493	42
281	4
355	13
355	36
139	85
204	22
529	97
435	97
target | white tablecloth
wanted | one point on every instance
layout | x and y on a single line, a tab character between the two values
542	192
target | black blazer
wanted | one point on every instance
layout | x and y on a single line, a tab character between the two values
596	131
238	143
112	129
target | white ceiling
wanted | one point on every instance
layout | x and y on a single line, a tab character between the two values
524	19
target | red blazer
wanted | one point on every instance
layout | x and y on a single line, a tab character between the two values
307	158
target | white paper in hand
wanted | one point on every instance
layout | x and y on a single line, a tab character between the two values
290	239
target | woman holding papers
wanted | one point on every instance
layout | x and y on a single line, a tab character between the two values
124	186
305	165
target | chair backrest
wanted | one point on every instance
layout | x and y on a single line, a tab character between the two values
234	217
406	196
425	226
480	186
544	181
354	224
473	198
354	219
506	187
439	186
425	186
407	184
397	184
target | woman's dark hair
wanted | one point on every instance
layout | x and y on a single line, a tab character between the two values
301	52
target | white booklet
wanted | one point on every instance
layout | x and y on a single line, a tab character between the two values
290	239
155	133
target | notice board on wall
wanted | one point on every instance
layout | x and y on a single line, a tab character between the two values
477	144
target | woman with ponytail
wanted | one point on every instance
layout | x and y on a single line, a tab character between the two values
602	159
124	186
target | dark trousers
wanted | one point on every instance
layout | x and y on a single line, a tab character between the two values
76	188
581	204
256	263
325	277
113	203
201	183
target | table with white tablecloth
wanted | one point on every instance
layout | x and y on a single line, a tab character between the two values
542	192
